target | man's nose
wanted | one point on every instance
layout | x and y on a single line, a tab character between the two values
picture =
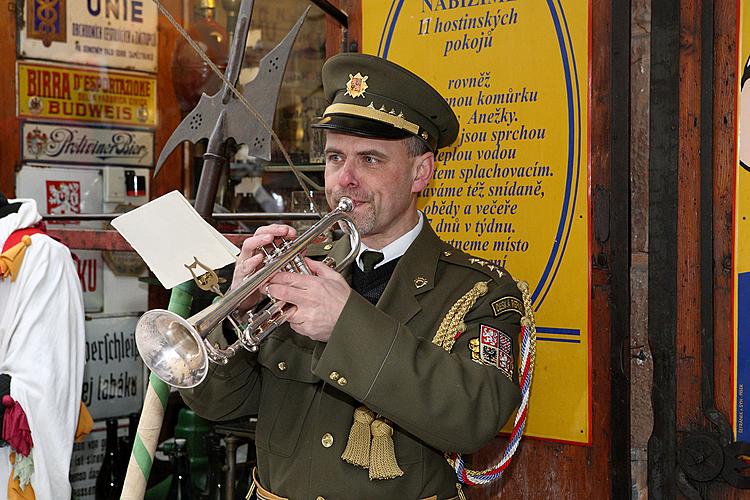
347	174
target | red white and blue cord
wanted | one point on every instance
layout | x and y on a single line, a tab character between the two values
528	354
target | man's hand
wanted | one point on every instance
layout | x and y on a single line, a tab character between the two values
319	299
251	256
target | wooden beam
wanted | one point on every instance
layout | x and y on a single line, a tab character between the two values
10	152
619	260
662	231
687	181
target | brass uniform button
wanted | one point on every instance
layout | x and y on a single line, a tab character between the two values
341	381
327	440
334	376
320	498
327	247
282	365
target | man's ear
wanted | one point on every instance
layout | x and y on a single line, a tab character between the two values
424	168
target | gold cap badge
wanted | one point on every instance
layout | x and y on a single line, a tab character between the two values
356	85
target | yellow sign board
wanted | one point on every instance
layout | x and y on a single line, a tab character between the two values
514	187
85	95
741	271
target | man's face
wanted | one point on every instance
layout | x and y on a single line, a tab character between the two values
382	180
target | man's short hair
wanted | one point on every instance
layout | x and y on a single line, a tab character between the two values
416	146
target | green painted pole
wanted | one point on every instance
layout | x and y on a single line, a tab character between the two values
152	416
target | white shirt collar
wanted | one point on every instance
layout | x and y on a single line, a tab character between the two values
396	248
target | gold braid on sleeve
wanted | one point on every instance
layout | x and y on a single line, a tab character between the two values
453	322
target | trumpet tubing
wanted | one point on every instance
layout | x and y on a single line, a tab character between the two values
175	349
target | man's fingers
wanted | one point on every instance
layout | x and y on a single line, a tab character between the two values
265	236
278	230
285	293
290	279
321	270
249	265
251	244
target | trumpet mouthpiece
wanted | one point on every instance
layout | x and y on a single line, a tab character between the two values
346	204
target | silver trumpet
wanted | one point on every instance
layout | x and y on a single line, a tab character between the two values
175	348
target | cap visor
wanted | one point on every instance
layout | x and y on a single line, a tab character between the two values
361	126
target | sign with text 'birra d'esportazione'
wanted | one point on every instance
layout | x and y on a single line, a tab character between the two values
513	188
93	95
112	33
71	144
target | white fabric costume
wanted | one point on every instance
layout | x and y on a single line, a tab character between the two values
42	343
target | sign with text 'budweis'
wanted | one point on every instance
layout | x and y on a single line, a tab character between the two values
56	92
60	143
113	33
513	188
113	375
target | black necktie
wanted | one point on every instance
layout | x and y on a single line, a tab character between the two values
370	259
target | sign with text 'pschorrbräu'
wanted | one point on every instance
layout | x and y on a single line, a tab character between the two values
513	188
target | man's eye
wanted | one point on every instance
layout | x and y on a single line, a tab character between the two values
332	157
371	160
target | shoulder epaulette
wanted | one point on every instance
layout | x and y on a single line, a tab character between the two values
458	257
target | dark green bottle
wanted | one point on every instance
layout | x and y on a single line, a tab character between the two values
109	481
181	487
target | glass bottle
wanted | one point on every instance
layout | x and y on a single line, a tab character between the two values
108	482
125	444
181	487
216	455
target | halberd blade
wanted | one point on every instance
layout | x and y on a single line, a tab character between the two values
262	93
197	125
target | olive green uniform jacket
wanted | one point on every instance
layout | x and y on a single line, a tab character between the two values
382	357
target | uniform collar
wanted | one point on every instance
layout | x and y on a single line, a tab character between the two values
396	248
414	274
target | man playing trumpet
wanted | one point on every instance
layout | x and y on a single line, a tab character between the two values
408	353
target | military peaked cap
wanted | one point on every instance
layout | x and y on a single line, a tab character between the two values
373	97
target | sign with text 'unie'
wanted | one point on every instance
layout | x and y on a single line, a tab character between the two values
513	188
741	261
60	143
88	95
113	33
113	375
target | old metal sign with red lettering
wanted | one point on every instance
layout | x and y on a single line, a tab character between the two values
89	266
66	93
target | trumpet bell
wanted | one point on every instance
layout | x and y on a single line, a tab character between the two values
171	348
